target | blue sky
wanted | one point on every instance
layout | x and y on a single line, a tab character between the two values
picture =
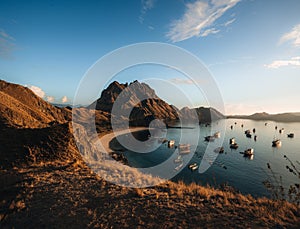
251	47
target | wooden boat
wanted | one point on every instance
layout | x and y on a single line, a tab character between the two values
281	131
249	152
234	146
276	143
290	135
231	141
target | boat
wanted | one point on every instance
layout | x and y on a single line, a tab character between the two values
248	135
242	125
276	143
179	167
281	130
231	127
247	131
193	166
254	130
249	152
217	134
234	146
184	148
231	141
171	143
178	159
290	135
219	150
209	138
255	137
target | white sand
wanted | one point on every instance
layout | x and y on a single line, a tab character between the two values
106	139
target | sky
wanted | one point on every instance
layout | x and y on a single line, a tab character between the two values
250	47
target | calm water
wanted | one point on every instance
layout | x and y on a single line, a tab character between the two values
242	173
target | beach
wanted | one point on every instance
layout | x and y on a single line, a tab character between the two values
107	139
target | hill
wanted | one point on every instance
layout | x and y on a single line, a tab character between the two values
20	107
284	117
144	105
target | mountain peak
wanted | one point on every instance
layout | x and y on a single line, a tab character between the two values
131	94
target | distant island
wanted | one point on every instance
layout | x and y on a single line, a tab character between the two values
283	117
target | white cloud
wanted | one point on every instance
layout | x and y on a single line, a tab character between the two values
6	44
146	6
64	99
50	99
209	31
38	91
229	22
198	19
293	36
294	61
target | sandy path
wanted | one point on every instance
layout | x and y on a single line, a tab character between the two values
106	139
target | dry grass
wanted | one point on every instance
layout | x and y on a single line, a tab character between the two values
60	194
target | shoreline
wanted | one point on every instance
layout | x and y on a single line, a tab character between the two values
107	138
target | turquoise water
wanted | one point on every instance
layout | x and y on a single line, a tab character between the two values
242	173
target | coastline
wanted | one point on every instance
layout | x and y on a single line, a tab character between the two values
106	139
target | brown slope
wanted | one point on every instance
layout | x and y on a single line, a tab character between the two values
20	107
23	147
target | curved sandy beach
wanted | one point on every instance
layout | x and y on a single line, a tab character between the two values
106	139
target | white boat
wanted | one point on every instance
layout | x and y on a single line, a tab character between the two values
178	159
231	141
217	134
179	167
247	131
193	166
276	143
184	148
234	146
249	152
171	143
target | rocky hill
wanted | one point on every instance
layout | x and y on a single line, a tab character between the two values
20	107
144	105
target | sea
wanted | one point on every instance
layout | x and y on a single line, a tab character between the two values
279	166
